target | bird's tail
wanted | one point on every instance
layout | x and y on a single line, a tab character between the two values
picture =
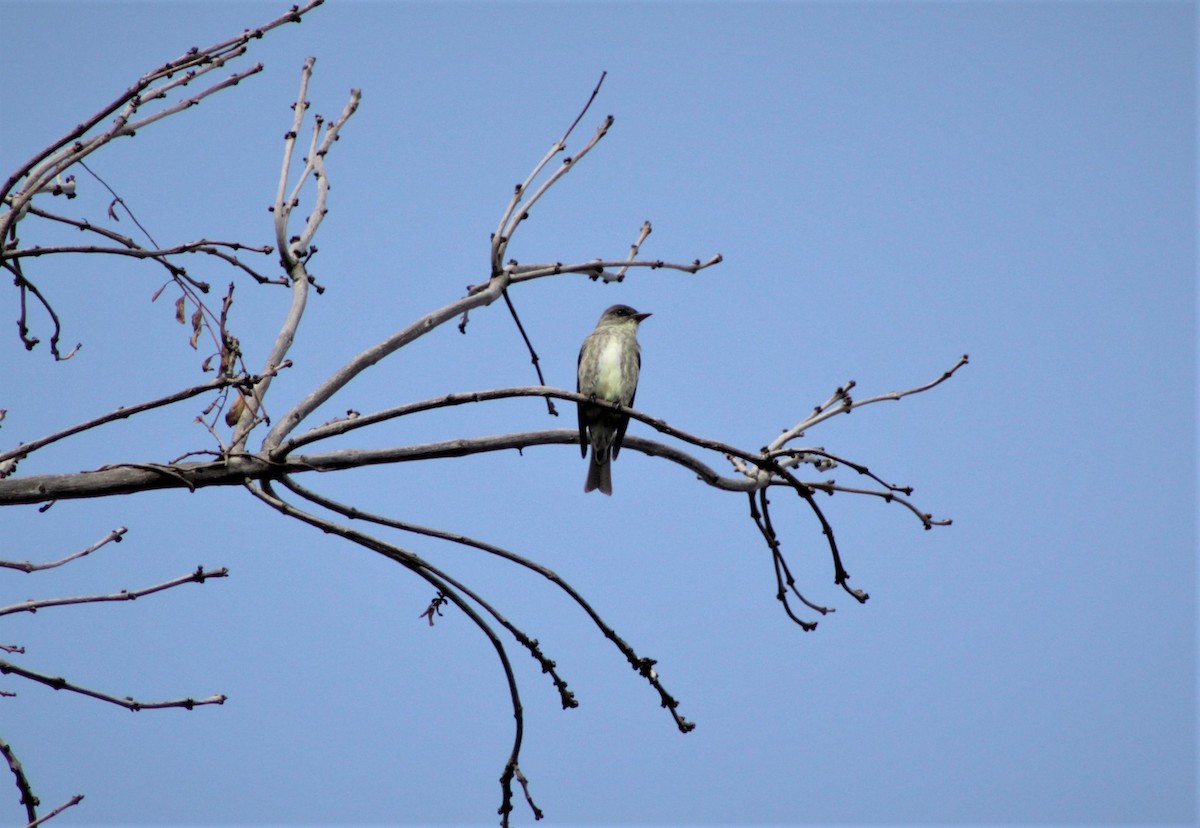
599	474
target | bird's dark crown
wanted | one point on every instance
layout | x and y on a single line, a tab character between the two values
624	311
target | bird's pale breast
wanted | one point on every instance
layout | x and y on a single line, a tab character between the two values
609	383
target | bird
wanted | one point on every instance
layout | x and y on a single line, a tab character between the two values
609	363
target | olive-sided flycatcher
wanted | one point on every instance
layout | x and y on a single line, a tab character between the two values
609	362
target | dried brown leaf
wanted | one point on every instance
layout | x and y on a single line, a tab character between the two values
197	324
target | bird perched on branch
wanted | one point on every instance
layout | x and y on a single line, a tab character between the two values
609	363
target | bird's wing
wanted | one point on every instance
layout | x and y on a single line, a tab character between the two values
579	408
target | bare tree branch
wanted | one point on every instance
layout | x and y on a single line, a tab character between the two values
26	566
33	605
643	666
26	288
566	166
28	799
60	683
509	222
132	249
234	470
842	403
295	250
9	458
59	155
346	425
634	249
531	644
444	586
43	172
840	575
477	295
70	803
242	398
784	582
598	268
533	357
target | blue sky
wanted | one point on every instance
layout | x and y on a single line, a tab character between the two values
891	185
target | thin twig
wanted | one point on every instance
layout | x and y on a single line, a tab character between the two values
25	286
27	566
33	605
503	234
598	268
294	249
129	247
440	582
927	519
637	662
533	357
840	575
118	200
28	799
25	449
842	403
783	576
477	296
531	644
60	154
562	170
70	803
634	249
60	683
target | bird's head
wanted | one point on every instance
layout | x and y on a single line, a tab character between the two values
622	315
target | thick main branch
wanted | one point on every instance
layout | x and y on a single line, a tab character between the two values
130	478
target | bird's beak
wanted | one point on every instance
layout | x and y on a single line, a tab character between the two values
642	316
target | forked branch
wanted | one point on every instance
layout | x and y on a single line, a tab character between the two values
295	250
49	163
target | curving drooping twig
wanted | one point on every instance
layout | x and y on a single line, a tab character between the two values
643	666
446	587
